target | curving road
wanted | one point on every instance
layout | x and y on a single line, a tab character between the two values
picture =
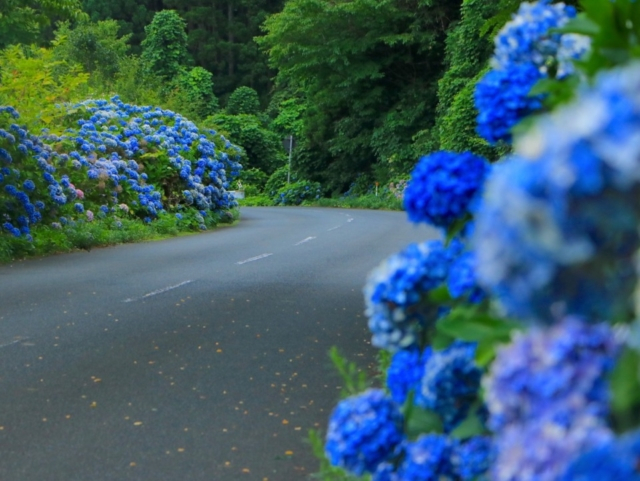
193	358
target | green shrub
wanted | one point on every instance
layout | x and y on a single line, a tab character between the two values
297	193
243	100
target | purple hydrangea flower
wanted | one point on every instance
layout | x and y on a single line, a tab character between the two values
559	371
363	432
543	449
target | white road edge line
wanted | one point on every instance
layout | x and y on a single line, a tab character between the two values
251	259
304	240
159	291
13	342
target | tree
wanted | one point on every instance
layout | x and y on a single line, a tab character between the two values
368	71
243	100
262	147
164	49
21	21
196	87
95	46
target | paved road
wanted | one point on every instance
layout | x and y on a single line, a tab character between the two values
193	358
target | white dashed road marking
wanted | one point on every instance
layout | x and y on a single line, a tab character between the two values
304	240
159	291
251	259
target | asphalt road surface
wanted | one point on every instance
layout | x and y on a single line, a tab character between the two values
193	358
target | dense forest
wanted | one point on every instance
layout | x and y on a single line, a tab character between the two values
365	86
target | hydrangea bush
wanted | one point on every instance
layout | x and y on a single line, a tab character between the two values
513	338
111	159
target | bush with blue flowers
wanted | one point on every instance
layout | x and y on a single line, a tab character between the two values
111	159
513	341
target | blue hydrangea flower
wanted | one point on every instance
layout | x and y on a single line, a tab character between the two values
363	431
559	371
427	458
385	472
502	100
443	186
527	39
543	449
28	185
462	279
5	156
395	291
78	207
613	461
450	383
405	372
557	230
472	458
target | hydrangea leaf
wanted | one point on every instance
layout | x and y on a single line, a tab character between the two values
470	426
471	324
420	421
625	382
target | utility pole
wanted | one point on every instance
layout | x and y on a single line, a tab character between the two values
288	145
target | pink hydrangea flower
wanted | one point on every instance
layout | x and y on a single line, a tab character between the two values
80	194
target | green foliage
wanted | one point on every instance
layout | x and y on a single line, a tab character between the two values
195	90
366	71
32	79
97	47
354	378
243	100
164	49
254	177
277	180
256	201
326	471
297	192
368	201
21	21
262	147
467	53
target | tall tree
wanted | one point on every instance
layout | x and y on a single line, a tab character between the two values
367	70
164	49
21	21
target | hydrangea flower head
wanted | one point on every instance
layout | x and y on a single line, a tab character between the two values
363	431
395	291
528	39
559	372
443	186
405	372
617	460
450	383
557	229
462	279
428	457
472	458
502	100
542	450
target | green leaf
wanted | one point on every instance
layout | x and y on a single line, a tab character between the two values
625	381
441	340
471	324
422	421
485	352
470	426
440	295
581	24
